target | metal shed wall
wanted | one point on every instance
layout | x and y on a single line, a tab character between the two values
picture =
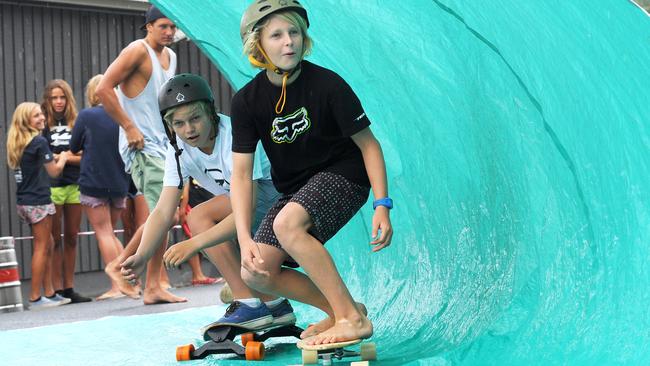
42	41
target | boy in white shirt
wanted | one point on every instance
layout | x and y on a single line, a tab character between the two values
202	141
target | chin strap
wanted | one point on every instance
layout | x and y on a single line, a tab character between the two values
177	153
279	106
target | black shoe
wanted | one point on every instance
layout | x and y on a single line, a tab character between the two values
75	297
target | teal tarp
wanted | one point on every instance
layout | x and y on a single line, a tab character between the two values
517	144
517	148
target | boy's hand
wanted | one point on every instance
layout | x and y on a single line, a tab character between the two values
382	232
134	137
179	253
251	257
133	267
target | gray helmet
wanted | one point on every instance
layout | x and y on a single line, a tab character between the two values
182	89
262	8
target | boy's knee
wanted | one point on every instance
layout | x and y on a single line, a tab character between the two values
285	228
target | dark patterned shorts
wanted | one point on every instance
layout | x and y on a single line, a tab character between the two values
330	200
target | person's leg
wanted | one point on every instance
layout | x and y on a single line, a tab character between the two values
141	210
287	282
47	283
316	212
56	257
72	221
41	231
291	227
224	256
147	174
112	269
139	214
128	220
198	276
100	220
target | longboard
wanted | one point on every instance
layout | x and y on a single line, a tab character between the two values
220	340
326	352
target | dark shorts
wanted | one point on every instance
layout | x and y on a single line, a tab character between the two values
330	200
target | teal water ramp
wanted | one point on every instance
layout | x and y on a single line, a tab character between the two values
517	140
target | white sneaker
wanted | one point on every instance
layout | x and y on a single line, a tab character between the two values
42	303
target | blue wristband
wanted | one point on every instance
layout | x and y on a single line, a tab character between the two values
386	202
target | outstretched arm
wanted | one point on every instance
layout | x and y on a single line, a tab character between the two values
373	158
155	229
242	200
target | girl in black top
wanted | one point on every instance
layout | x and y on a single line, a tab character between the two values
324	159
59	107
29	155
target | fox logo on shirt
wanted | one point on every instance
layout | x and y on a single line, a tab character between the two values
286	129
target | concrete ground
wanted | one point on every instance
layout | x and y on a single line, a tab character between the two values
93	284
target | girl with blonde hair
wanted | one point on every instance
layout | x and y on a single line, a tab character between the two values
29	155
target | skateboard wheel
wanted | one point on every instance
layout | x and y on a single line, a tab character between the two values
254	351
184	353
247	337
309	357
368	351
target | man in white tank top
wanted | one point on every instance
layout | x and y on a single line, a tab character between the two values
129	93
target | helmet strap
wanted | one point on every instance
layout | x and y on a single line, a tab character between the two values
279	106
171	135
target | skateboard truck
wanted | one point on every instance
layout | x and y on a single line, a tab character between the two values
327	352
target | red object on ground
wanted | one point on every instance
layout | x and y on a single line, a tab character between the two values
186	227
207	281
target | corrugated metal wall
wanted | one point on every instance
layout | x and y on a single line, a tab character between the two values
42	42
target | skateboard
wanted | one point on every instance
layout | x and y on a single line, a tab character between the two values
220	339
327	352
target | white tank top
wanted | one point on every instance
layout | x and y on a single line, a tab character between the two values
144	112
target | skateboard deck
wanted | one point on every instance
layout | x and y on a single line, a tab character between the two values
220	339
326	352
233	327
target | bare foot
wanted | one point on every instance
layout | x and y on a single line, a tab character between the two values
344	330
160	296
110	294
112	270
327	323
165	285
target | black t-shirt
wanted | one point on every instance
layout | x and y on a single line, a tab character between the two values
32	180
59	140
311	135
